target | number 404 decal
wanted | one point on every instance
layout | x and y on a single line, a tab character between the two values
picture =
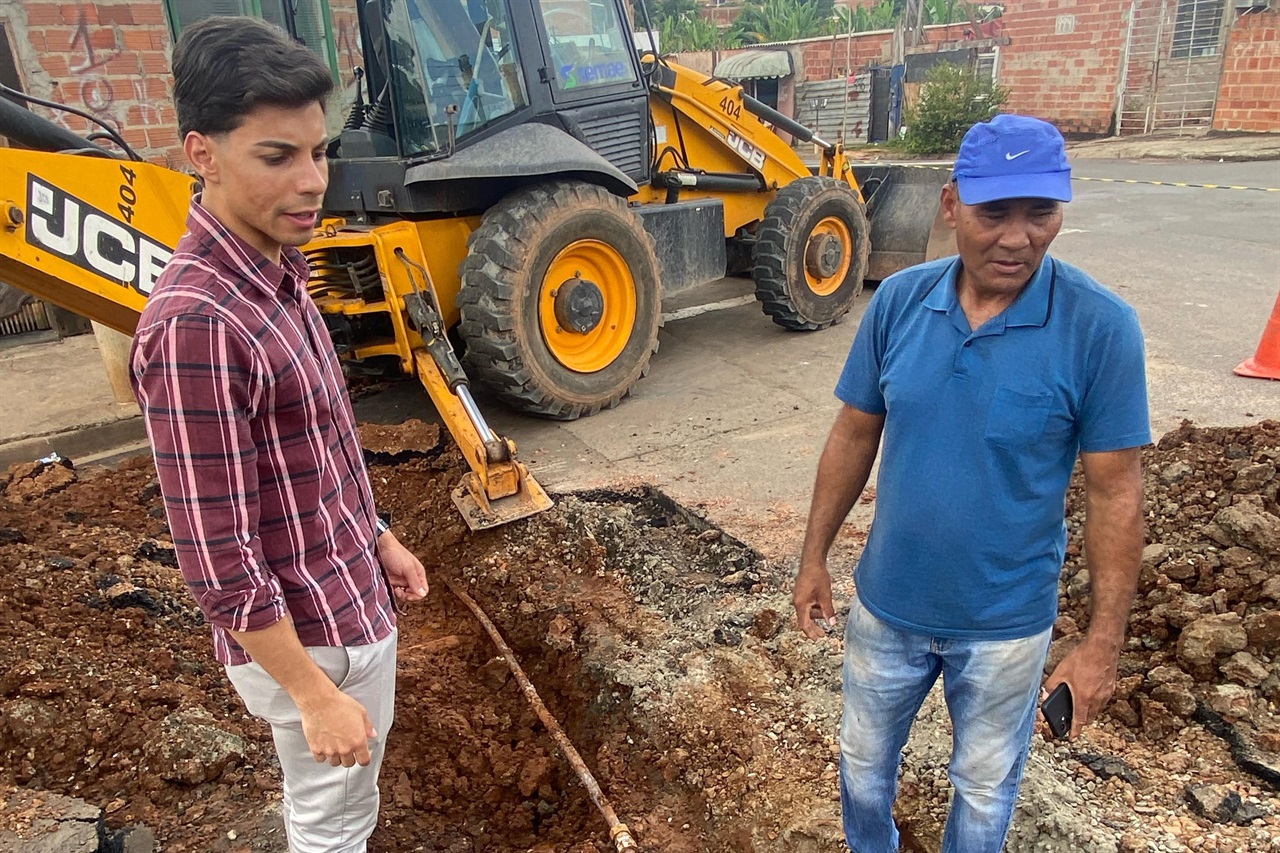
128	197
753	155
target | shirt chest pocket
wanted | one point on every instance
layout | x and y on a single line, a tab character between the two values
1018	417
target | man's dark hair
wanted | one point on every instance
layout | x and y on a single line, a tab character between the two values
225	67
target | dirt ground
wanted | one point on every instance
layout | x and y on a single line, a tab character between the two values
665	648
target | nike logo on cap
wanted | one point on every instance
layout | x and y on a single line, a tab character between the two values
1009	156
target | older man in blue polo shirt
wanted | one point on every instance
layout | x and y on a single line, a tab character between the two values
986	374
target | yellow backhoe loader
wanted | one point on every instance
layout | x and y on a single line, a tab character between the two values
515	178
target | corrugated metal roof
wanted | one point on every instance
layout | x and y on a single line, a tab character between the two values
755	65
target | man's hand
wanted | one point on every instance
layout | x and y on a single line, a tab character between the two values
1090	672
843	471
1113	552
408	578
335	725
337	730
812	599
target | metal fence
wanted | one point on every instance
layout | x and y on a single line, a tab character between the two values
836	109
29	318
1172	64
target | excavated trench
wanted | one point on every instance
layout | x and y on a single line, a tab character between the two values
625	610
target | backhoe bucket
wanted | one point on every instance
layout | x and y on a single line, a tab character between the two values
498	488
904	209
480	512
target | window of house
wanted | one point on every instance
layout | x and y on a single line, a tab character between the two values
989	65
764	90
1197	28
311	19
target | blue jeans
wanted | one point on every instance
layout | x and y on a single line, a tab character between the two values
991	688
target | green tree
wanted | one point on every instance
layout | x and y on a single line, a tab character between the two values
952	99
693	32
885	14
785	20
882	16
945	11
662	11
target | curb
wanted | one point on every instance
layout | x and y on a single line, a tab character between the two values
74	443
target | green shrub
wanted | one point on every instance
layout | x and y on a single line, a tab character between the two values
952	99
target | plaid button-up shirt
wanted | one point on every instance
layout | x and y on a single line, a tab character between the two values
256	448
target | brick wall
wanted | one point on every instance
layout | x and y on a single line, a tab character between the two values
112	59
1249	93
721	16
837	57
1062	62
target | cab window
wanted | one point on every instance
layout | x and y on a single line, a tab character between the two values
451	53
589	43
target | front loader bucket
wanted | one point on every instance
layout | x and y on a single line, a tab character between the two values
905	213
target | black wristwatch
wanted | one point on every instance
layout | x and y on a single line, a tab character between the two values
383	523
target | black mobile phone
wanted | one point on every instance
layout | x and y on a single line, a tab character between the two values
1057	710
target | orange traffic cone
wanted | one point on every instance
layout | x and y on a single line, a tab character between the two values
1265	364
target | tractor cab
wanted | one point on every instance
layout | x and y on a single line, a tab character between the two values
469	99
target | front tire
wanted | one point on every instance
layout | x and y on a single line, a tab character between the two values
560	300
811	254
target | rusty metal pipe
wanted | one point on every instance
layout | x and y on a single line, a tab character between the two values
619	834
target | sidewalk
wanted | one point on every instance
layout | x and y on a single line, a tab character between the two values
1170	145
1165	145
57	400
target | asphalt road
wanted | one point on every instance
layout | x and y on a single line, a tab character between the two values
734	412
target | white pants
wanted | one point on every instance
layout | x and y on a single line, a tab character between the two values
327	809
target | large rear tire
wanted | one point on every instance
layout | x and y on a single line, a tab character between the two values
561	300
811	254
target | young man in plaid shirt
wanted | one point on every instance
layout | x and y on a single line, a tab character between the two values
254	438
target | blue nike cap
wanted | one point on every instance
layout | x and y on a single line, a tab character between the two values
1012	157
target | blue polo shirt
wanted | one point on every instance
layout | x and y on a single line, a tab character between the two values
982	430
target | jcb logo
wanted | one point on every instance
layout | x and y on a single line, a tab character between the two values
80	233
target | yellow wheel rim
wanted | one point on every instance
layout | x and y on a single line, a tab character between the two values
583	265
824	271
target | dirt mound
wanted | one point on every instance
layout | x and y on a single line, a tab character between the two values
1182	759
1206	622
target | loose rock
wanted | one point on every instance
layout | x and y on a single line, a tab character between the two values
188	747
1206	638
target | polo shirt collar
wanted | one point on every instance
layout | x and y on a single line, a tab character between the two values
1031	308
237	255
942	295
